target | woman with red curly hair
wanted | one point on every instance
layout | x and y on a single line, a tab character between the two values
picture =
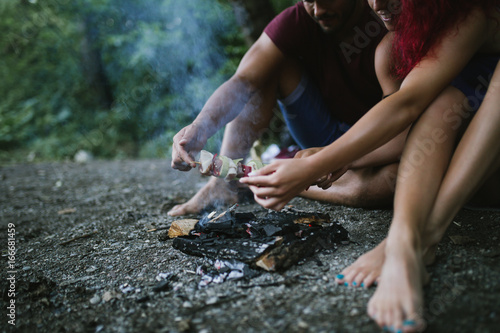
439	48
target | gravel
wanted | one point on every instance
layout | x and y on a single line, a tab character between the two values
88	260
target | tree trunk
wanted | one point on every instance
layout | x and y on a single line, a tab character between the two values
93	68
252	16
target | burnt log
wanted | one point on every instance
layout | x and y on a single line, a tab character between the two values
273	242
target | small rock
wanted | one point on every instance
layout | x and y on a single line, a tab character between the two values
108	296
126	288
302	325
212	300
94	300
83	156
91	269
163	285
187	305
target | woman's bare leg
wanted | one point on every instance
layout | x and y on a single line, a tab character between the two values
397	303
423	164
476	159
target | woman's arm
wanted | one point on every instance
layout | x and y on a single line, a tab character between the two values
282	180
391	151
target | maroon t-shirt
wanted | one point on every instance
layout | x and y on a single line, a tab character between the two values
344	72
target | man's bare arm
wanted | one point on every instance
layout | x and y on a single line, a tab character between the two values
260	64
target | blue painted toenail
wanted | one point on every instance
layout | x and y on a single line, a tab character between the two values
346	284
340	276
362	284
409	323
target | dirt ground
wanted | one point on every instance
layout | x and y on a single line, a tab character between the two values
86	260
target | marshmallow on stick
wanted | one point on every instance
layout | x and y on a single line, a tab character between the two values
224	167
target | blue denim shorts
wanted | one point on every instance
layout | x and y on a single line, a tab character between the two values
308	118
474	79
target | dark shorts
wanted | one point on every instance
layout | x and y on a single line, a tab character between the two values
309	120
311	123
474	79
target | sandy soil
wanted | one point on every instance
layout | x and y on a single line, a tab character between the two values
104	282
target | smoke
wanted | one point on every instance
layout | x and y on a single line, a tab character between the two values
190	54
178	49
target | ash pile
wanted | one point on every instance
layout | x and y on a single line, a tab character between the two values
242	244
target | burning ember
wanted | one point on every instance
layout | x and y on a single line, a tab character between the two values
273	242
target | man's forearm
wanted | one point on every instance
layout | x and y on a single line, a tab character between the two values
223	106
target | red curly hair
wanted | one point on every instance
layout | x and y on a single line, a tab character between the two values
420	25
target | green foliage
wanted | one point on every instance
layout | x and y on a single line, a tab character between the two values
279	5
162	59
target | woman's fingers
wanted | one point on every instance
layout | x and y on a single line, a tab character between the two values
265	191
270	203
266	170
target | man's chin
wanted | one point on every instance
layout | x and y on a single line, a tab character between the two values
329	30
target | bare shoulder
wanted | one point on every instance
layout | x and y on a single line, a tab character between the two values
261	61
383	65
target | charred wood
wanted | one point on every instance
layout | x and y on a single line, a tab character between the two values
273	242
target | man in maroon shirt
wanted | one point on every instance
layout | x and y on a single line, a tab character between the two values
317	59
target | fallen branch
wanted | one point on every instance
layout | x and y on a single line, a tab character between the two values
78	237
158	229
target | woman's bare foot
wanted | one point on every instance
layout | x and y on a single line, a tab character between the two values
216	192
365	270
398	301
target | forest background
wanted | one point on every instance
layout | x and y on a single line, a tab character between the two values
115	78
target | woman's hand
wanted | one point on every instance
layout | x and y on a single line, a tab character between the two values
277	183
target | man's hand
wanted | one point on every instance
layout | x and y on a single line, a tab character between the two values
187	143
325	181
308	152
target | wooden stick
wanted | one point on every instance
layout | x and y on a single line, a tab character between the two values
157	229
77	238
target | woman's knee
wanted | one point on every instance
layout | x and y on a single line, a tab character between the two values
450	109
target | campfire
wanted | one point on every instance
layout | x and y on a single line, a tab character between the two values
273	242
